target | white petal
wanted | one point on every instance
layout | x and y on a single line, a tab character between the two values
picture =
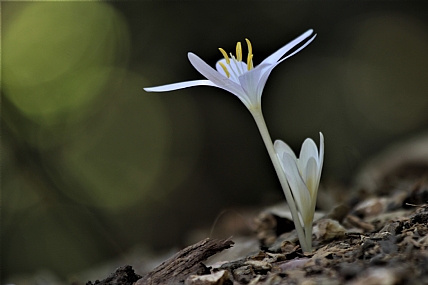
218	79
250	83
219	68
239	67
309	149
235	68
181	85
276	56
281	148
320	158
266	72
264	76
298	188
253	81
299	49
310	176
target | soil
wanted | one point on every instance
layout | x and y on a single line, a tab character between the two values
379	235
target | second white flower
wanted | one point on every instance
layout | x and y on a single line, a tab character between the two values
303	175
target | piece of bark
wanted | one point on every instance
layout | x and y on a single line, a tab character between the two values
185	262
124	275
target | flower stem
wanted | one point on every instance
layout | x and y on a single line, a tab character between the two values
308	233
260	121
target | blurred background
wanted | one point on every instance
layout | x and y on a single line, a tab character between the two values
93	166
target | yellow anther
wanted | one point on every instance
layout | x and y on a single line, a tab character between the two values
225	69
239	51
250	48
225	55
249	61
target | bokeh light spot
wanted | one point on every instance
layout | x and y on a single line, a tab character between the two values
57	57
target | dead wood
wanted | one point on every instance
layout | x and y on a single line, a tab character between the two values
186	262
124	275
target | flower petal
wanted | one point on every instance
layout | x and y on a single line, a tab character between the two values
298	188
309	149
218	79
263	78
299	49
181	85
276	56
266	66
219	68
268	70
235	68
269	66
281	148
252	82
321	157
310	176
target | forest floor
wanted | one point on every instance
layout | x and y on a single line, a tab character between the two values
378	235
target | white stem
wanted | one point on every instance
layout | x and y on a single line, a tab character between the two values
260	121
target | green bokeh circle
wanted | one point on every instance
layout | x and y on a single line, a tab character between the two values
57	56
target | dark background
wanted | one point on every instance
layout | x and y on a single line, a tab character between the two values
93	166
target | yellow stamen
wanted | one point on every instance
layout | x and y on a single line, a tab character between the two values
249	61
250	55
224	68
225	55
250	48
239	51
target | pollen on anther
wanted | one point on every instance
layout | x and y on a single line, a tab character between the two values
250	48
225	69
223	52
239	51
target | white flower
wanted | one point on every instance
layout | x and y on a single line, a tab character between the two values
303	175
236	76
247	82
